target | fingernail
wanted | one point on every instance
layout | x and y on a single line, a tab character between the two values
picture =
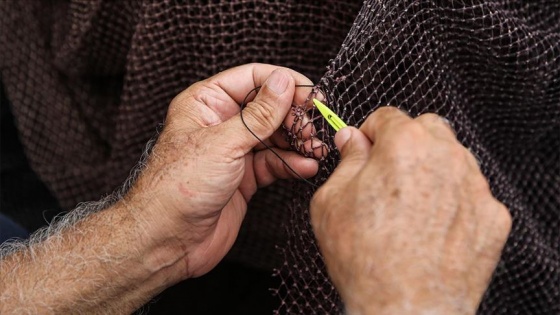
278	81
341	137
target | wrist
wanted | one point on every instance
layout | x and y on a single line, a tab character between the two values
404	309
128	263
417	303
159	239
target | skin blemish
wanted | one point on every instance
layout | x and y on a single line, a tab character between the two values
184	190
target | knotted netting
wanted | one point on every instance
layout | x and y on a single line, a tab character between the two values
492	68
89	81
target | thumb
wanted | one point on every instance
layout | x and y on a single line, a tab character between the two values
265	113
354	147
352	143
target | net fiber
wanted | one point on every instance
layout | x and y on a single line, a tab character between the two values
492	68
90	80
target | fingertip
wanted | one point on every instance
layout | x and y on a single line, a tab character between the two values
265	113
352	142
342	137
269	167
305	167
308	167
279	80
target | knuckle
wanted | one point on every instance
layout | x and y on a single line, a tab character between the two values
480	184
503	220
434	120
384	116
254	64
438	125
429	118
452	155
387	111
183	99
496	219
409	137
472	159
262	114
411	130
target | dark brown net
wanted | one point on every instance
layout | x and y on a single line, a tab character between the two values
90	80
492	68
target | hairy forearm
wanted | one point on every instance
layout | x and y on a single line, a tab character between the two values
111	261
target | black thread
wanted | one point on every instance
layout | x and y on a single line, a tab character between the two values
244	104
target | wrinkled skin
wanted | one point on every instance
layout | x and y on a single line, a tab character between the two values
206	165
407	223
182	214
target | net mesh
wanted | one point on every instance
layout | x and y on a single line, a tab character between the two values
492	68
90	80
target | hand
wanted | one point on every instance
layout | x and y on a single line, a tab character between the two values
182	214
407	222
206	165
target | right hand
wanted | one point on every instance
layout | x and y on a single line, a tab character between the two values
407	222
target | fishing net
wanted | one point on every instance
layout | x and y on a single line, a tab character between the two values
89	81
492	68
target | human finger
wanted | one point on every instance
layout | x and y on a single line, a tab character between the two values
237	82
382	119
214	100
278	139
262	116
312	148
437	126
354	147
299	124
352	143
268	167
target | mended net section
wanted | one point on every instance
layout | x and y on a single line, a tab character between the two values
492	68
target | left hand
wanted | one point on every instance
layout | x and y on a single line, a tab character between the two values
206	165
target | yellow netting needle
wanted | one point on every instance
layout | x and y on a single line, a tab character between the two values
329	115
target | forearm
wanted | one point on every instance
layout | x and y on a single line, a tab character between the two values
108	262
